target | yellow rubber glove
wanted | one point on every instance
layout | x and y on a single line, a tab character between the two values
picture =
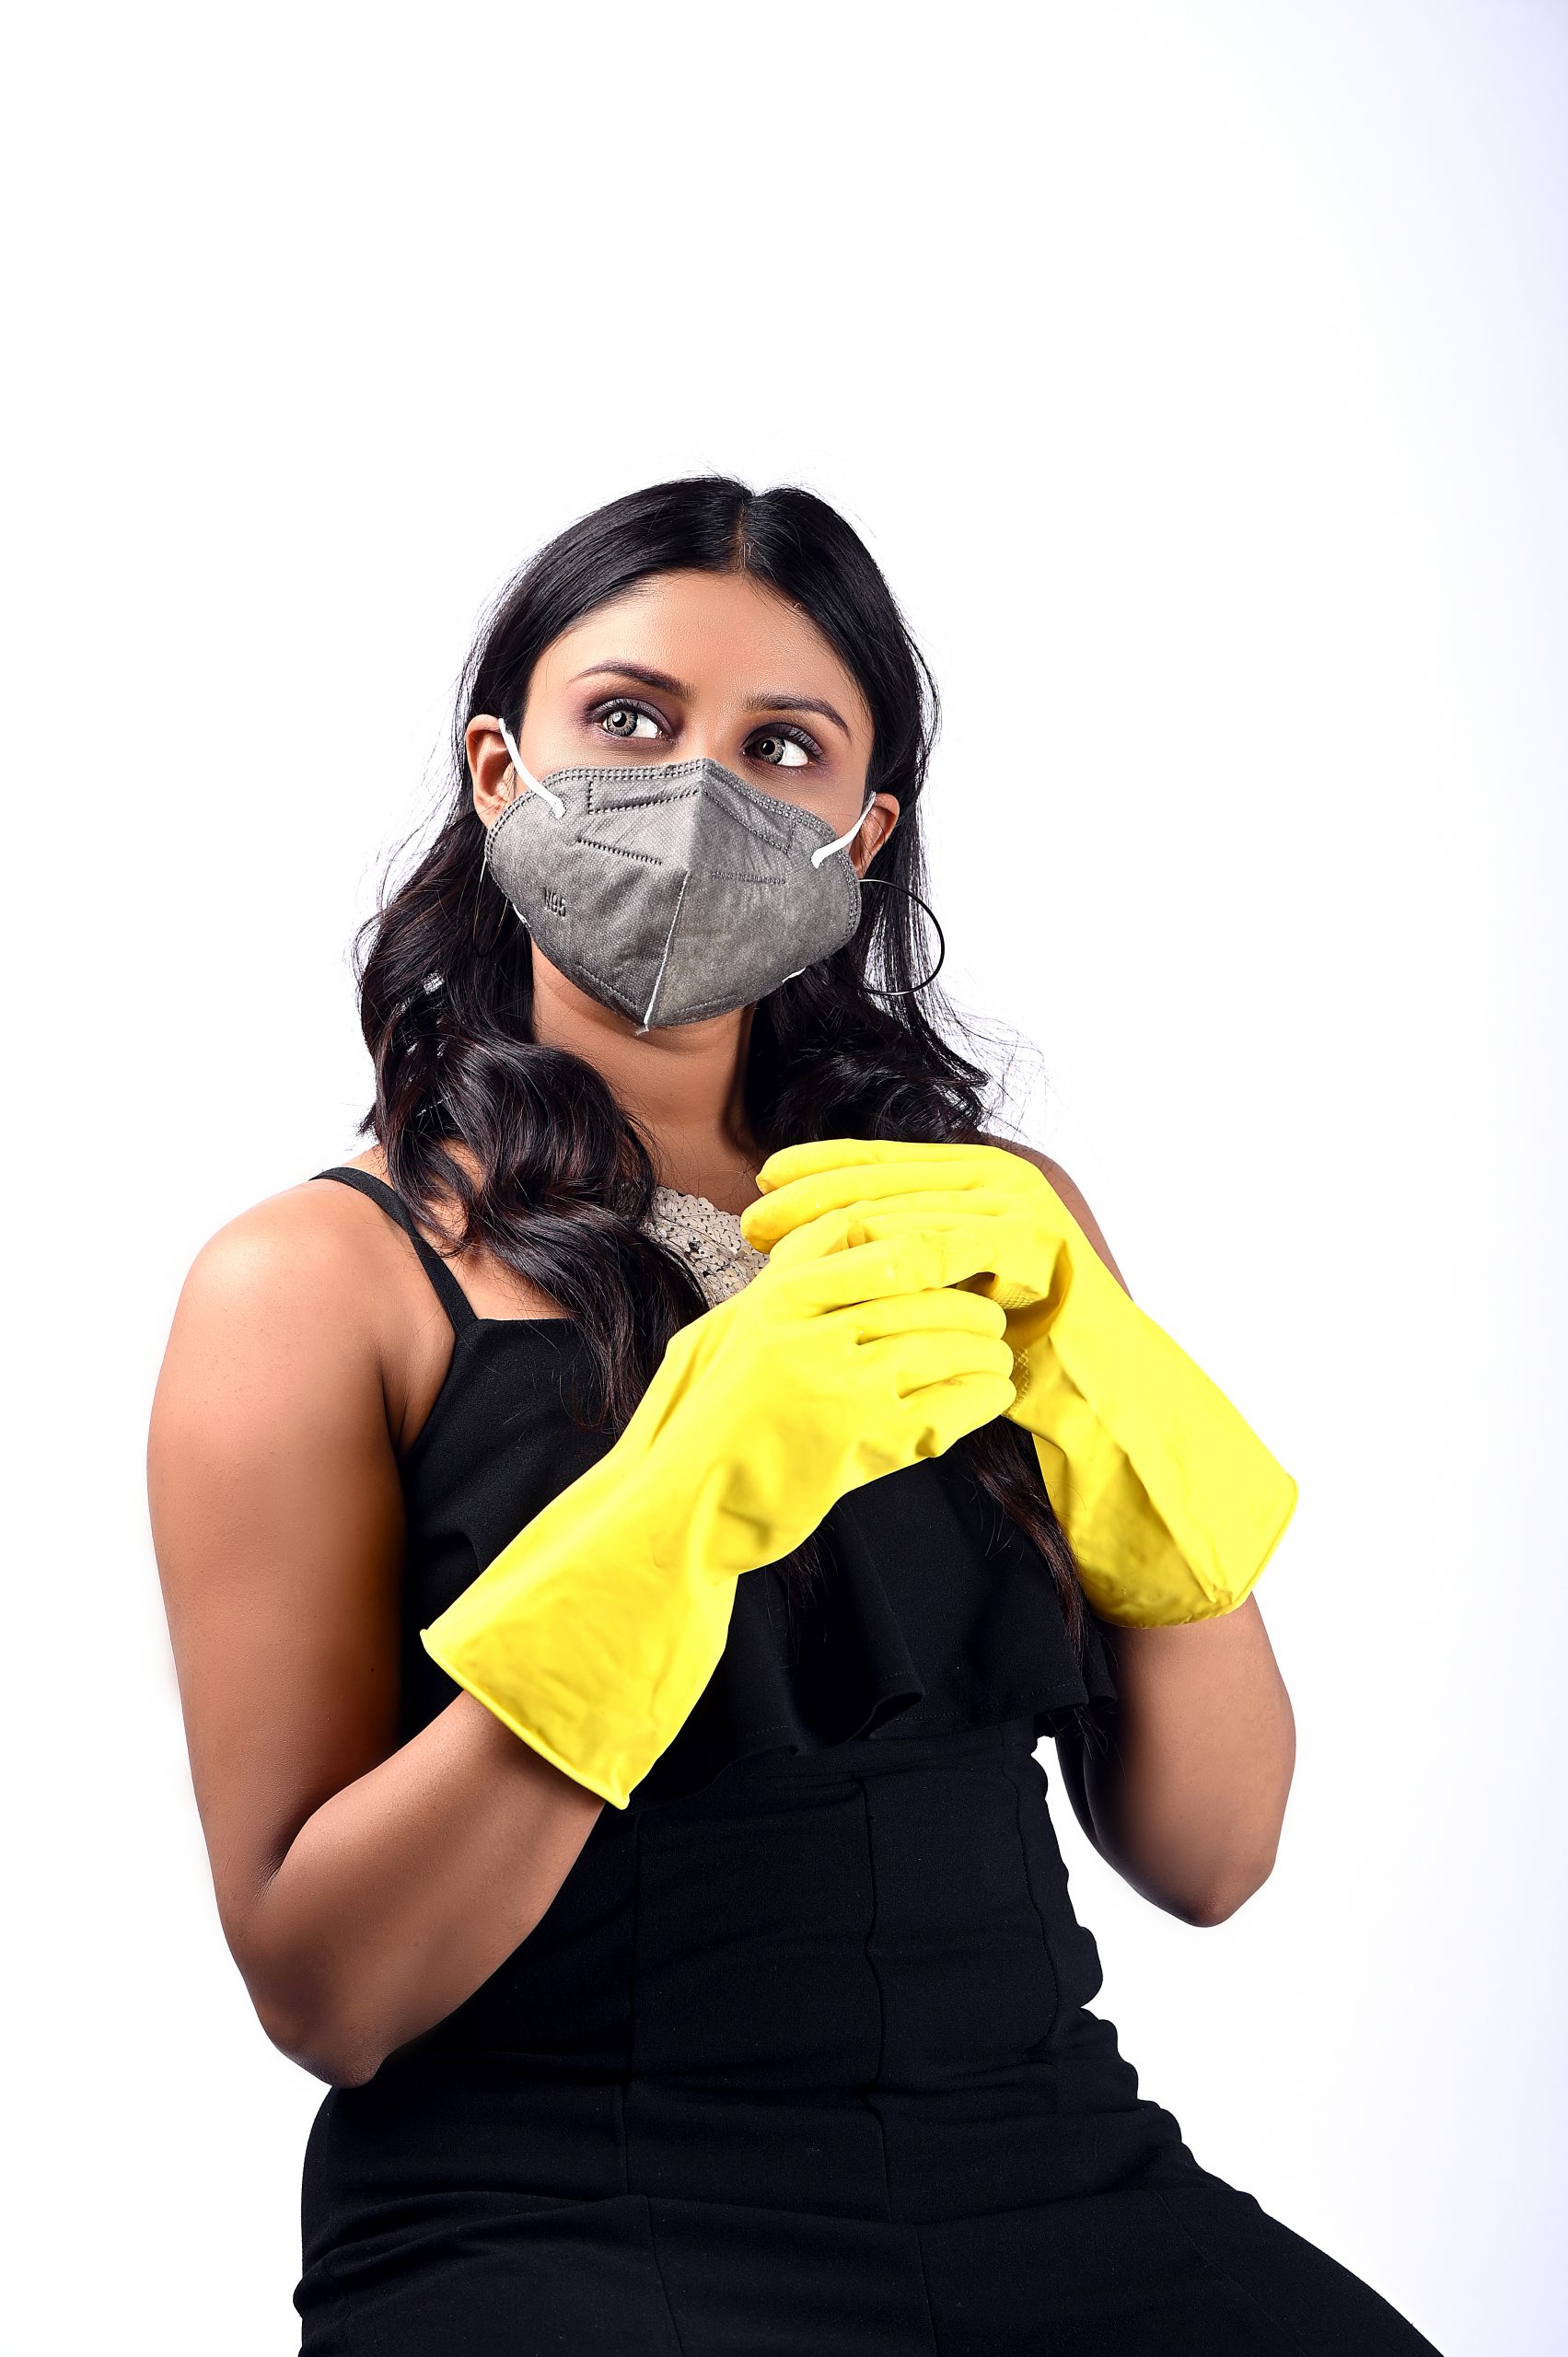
594	1631
1172	1503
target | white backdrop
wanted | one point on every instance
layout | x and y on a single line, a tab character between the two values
1197	376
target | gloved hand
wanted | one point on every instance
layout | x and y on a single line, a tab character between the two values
1172	1503
594	1631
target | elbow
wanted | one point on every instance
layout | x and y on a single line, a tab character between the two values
1220	1900
297	2001
349	2066
304	2020
322	2048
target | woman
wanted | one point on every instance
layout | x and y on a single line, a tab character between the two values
613	1641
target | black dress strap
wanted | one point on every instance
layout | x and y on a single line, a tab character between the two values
454	1300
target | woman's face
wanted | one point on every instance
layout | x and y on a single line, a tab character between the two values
688	663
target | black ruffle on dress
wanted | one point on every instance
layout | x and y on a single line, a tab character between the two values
798	2062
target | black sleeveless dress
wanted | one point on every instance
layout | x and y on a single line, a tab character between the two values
798	2062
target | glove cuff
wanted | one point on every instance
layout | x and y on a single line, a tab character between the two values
1172	1503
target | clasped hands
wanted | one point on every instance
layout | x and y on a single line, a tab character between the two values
1172	1503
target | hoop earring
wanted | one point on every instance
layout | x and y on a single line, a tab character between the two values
889	885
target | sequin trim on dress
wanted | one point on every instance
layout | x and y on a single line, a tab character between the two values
707	1239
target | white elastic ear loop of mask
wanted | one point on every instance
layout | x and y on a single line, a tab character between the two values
818	856
525	778
838	844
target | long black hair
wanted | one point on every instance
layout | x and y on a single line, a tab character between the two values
445	976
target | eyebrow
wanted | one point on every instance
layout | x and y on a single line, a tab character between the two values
678	688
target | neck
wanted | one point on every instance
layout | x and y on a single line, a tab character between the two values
683	1086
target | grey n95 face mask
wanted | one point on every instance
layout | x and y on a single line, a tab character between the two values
675	890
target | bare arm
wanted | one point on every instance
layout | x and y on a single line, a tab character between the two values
1187	1800
365	1890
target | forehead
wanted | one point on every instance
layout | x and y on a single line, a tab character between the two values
715	630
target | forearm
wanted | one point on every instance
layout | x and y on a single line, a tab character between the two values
1189	1797
407	1889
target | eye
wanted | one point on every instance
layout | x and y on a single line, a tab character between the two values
613	718
780	746
783	747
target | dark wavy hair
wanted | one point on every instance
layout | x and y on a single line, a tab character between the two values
445	976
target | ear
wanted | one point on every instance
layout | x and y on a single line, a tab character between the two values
884	808
490	766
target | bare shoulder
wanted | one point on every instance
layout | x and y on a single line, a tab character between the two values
274	1352
1072	1195
299	1275
294	1240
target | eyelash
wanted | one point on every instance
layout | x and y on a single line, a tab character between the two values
774	727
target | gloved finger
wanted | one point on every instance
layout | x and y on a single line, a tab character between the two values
946	1309
805	1200
824	1186
995	1254
977	1255
908	1362
947	1410
838	1189
788	1163
987	1248
912	1260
